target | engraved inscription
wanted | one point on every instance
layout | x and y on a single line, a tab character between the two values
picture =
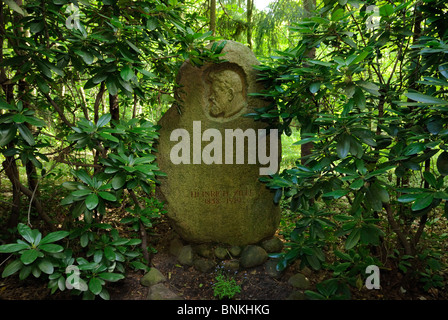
222	196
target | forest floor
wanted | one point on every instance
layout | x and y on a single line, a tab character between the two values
191	284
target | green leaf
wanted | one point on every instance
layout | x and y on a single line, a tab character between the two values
111	85
13	247
37	27
386	10
109	253
7	135
314	87
81	193
14	6
19	118
26	232
414	148
336	194
353	239
95	286
107	196
29	256
46	266
416	96
343	146
423	202
337	14
127	73
54	236
92	201
109	137
429	177
442	163
12	268
86	56
103	120
26	134
51	248
408	198
112	277
357	184
119	180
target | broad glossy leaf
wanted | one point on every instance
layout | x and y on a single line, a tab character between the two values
416	96
51	248
13	247
92	201
95	286
12	268
107	196
26	232
343	146
29	256
429	177
119	180
109	253
26	134
46	266
442	163
353	239
54	236
127	73
423	202
112	277
7	134
103	120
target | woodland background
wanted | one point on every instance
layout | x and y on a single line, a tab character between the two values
358	90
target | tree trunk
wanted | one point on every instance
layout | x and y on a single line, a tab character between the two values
213	16
113	107
306	148
250	6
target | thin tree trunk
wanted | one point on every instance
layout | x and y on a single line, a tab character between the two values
250	6
113	107
306	148
213	16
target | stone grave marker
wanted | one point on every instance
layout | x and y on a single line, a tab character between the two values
213	155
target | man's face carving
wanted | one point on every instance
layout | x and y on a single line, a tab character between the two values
226	94
220	97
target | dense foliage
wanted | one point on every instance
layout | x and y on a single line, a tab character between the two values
360	84
366	86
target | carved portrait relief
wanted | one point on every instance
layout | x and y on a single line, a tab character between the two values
227	93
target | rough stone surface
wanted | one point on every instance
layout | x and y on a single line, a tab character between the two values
204	250
175	246
221	252
271	269
152	277
216	202
185	256
297	295
161	292
235	251
253	256
274	245
299	281
204	265
230	265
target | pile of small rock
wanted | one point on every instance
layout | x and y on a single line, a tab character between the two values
205	258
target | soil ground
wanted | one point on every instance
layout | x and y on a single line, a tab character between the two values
191	284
